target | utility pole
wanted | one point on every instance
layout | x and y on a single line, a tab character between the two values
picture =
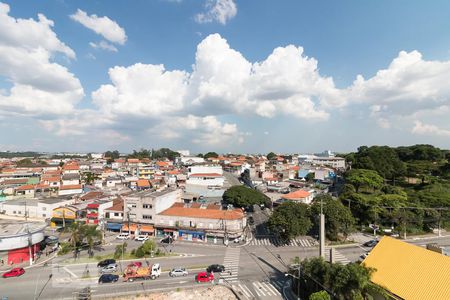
30	243
322	231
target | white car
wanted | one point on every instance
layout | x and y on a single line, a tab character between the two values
123	236
141	238
178	271
109	269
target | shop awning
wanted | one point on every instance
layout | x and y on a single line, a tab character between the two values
191	232
132	227
146	228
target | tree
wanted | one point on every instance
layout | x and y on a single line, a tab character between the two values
310	177
211	154
112	154
382	159
242	196
271	156
364	178
89	177
120	250
338	218
92	236
26	162
351	281
290	219
75	236
322	295
164	153
200	155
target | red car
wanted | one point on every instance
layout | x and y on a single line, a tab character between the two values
14	273
204	277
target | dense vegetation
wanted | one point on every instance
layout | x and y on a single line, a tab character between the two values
321	279
242	196
154	154
405	188
8	154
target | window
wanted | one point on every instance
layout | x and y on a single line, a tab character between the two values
147	217
116	214
147	206
19	212
107	215
133	205
14	212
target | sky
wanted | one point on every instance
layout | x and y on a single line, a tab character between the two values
241	76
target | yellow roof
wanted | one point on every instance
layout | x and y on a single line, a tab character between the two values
409	271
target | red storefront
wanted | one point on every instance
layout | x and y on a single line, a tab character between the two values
92	214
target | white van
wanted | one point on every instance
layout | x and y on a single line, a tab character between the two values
123	236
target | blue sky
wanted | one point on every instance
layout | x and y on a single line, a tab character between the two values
224	75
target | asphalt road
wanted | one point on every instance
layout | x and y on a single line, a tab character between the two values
255	264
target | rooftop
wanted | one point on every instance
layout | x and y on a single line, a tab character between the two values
408	271
210	212
11	227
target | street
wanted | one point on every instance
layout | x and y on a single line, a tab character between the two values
257	271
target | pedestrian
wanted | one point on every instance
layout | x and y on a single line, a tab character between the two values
3	262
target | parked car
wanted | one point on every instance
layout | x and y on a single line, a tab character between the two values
364	255
123	236
204	277
51	240
107	278
371	243
238	240
16	272
109	269
215	268
106	262
167	240
178	271
141	238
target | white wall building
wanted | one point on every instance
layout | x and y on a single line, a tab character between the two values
205	175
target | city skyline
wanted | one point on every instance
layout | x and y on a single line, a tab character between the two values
225	76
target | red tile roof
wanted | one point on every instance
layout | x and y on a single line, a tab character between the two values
133	160
71	167
299	194
70	187
143	183
25	187
203	213
117	205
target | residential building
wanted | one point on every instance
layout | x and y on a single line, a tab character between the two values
201	223
299	196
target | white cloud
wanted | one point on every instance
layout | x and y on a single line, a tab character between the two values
145	90
103	45
39	86
427	129
217	11
222	82
206	130
104	26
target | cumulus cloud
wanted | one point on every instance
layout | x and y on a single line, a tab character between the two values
222	82
206	130
217	11
103	45
142	89
39	86
427	129
103	26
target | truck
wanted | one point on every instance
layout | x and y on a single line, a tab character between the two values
136	272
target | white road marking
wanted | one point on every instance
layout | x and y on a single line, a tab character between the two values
70	272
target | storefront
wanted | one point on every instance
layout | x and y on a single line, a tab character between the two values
164	232
113	226
193	236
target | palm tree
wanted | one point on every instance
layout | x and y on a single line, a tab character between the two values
91	234
76	235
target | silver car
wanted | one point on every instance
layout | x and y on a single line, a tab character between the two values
175	272
109	269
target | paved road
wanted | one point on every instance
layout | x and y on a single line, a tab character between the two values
257	272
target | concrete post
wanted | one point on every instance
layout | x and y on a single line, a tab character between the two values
322	236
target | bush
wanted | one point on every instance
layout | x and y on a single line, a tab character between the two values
65	248
139	252
133	252
120	250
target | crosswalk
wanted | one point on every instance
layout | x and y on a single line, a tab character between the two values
338	257
231	264
273	241
258	289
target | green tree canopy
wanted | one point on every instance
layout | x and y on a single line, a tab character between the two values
112	154
364	178
271	156
382	159
290	219
211	154
26	162
338	218
242	196
322	295
351	281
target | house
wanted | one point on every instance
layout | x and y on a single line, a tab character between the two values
71	168
200	223
26	191
70	178
408	271
70	189
114	215
205	175
143	184
141	207
113	182
189	160
299	196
